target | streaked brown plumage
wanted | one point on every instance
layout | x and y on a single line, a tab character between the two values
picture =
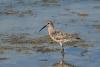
59	36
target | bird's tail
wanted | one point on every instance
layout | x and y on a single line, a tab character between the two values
76	37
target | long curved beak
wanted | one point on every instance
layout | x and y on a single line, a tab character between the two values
43	27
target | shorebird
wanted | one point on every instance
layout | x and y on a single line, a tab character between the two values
59	36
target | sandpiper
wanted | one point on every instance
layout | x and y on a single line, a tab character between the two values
59	36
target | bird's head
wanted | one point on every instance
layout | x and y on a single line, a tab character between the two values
50	23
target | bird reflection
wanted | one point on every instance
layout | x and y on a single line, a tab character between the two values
62	63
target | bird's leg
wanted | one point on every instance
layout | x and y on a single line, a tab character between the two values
62	54
62	49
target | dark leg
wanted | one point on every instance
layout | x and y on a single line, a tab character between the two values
62	51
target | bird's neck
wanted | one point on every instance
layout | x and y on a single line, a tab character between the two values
51	29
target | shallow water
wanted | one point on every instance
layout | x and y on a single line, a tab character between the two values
29	16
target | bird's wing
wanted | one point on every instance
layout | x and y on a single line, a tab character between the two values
58	35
